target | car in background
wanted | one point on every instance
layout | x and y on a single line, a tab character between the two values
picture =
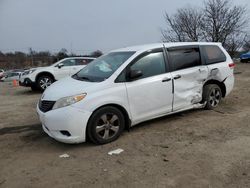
244	58
42	77
11	75
1	73
132	85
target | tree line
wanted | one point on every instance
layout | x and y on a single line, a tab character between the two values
21	60
215	21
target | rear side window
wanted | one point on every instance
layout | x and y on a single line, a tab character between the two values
213	54
184	58
83	61
151	65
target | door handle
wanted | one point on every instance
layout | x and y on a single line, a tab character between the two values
166	79
202	70
177	77
215	69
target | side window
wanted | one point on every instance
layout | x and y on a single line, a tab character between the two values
83	61
69	62
213	54
150	65
184	58
121	77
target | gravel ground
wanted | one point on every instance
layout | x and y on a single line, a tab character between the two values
196	148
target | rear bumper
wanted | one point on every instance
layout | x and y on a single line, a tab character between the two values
229	83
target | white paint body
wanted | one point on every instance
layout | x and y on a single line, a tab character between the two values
143	99
12	76
58	73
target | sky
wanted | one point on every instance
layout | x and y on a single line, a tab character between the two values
83	26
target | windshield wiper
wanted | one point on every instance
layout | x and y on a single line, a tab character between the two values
82	78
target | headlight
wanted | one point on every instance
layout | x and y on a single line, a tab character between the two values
29	72
66	101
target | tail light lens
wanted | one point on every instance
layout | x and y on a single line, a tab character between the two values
231	65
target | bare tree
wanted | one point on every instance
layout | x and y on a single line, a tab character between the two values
96	53
218	21
183	26
222	20
234	42
246	45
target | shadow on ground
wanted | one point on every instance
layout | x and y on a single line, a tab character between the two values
28	92
19	129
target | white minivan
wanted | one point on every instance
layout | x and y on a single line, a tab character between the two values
132	85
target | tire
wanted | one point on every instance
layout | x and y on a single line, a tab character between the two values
244	60
212	95
101	129
34	88
44	81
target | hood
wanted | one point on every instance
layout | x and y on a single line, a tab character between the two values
67	87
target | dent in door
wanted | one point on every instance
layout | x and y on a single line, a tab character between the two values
217	74
189	88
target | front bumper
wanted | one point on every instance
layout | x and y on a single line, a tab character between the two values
70	119
26	82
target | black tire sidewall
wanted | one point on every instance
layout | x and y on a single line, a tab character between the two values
206	94
91	132
40	78
34	88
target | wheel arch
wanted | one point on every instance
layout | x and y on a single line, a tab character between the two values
122	109
45	73
220	84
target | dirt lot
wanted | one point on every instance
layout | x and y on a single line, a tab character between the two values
193	149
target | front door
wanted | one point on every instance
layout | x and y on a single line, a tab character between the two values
189	75
151	94
65	70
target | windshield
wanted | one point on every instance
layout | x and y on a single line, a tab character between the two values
103	67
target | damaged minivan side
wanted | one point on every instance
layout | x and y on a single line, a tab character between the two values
132	85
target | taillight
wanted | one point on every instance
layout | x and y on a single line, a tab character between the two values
231	65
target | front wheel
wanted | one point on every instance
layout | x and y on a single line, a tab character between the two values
212	96
44	81
105	125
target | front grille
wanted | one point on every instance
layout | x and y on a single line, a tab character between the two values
46	106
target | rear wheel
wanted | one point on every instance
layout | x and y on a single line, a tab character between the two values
212	96
105	125
44	81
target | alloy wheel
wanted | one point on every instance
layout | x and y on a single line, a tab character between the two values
108	126
45	82
214	97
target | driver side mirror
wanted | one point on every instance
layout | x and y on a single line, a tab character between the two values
134	74
60	65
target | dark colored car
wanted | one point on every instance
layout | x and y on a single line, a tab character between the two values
244	58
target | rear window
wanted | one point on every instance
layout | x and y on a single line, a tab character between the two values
184	58
213	54
83	61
